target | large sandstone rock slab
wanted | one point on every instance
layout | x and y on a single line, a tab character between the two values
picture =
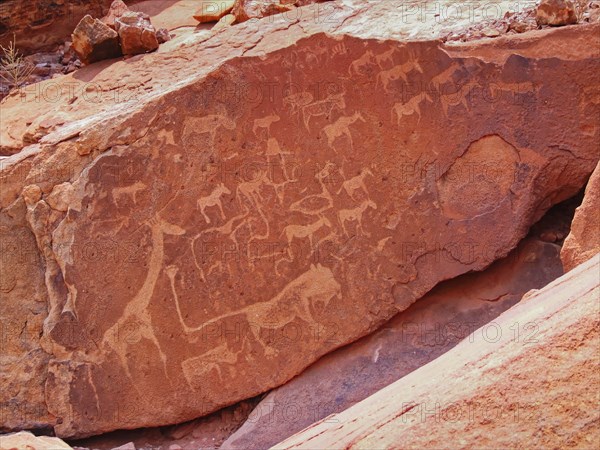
531	380
583	241
234	216
436	323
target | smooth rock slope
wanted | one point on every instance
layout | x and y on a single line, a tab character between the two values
533	378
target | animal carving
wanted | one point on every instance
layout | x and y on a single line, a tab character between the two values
295	102
386	56
410	107
265	122
296	300
322	108
208	124
214	199
395	73
341	128
355	215
356	183
304	231
364	61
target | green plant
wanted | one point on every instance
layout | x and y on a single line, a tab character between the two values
14	69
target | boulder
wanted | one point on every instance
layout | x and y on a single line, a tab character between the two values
556	12
426	330
94	41
163	35
27	441
529	380
39	25
583	241
224	219
117	9
212	11
136	33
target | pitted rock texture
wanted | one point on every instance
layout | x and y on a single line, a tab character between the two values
43	24
480	394
583	241
281	235
445	316
237	215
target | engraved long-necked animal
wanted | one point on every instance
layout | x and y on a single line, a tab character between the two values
341	128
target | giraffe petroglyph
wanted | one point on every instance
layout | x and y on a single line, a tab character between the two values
136	311
213	199
341	128
355	215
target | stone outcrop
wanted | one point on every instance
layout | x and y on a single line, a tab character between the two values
136	33
583	241
27	441
94	41
428	329
556	12
225	218
255	9
532	379
213	11
44	24
116	10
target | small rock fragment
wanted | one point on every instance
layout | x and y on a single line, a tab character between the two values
163	35
556	12
136	33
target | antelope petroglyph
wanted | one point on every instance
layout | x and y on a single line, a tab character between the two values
355	215
213	199
341	128
322	108
395	73
385	57
208	124
354	184
304	231
364	61
265	123
410	107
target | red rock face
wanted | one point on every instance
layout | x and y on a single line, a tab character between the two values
94	41
299	221
480	393
583	242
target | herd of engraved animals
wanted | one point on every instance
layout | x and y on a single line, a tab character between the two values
299	295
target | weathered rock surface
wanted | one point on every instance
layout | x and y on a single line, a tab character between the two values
583	241
302	218
42	24
556	12
531	381
93	41
255	9
136	33
212	11
429	328
27	441
116	10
